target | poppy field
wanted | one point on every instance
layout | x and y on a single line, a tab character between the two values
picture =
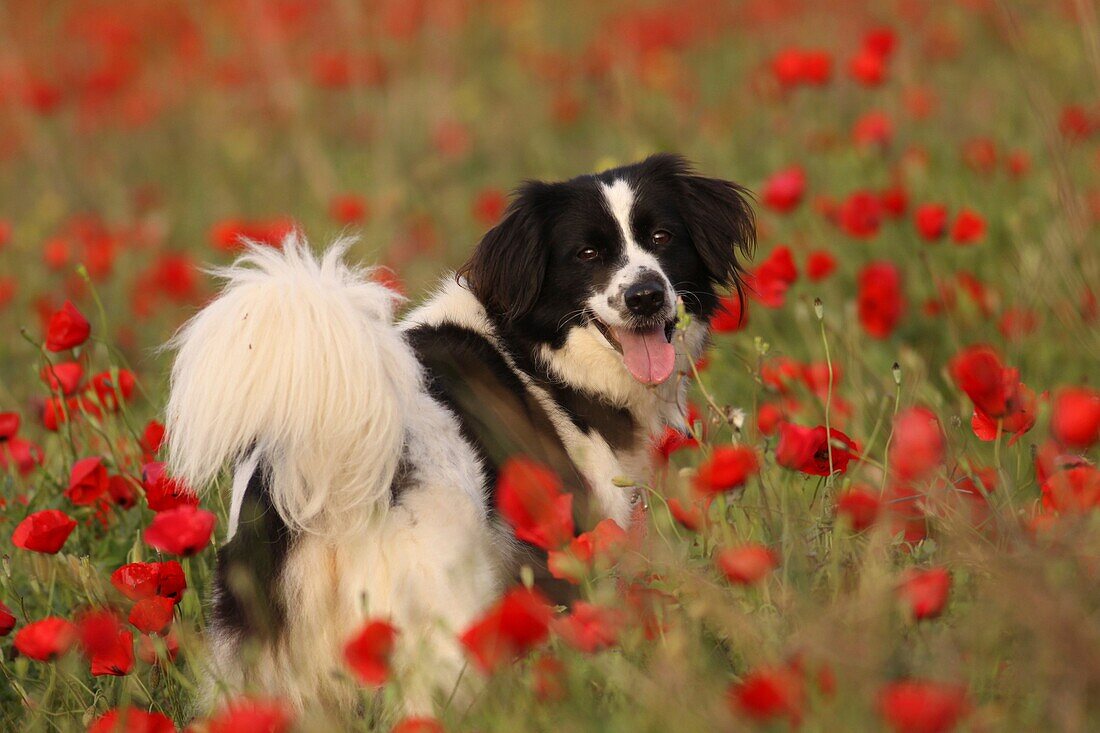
886	516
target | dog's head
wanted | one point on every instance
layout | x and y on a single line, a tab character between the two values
614	252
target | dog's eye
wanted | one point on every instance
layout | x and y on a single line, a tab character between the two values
661	237
588	254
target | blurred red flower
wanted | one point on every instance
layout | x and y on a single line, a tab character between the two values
728	468
931	221
1075	417
1074	490
46	639
7	619
67	328
819	265
184	530
64	377
784	190
1019	414
132	720
418	725
44	531
152	652
978	371
368	653
968	228
732	314
925	591
515	624
868	68
152	438
88	481
21	454
894	201
348	208
918	444
689	516
252	715
746	564
768	282
916	706
768	694
115	656
873	129
881	299
163	492
860	215
230	235
590	628
530	497
489	206
768	418
860	506
139	580
601	547
152	615
9	425
807	449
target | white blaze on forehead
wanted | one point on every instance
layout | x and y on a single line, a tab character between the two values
619	197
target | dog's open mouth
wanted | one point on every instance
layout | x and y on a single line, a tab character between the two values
648	353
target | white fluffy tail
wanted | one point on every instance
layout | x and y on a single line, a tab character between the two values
299	358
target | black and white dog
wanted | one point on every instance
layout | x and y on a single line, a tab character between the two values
364	453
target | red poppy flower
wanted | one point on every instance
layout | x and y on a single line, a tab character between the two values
732	314
348	208
780	373
881	300
157	650
230	235
918	444
67	328
1073	490
22	454
252	715
819	376
368	653
139	580
9	425
163	492
868	68
690	516
874	129
418	725
1019	414
925	591
931	221
184	530
152	615
728	468
489	206
120	489
529	496
969	227
769	694
746	564
819	265
916	706
601	547
116	658
152	438
64	377
860	506
108	391
860	215
1075	418
769	281
132	720
590	628
515	624
880	41
894	201
977	371
46	639
7	619
768	418
783	192
1017	323
88	481
44	531
807	449
787	67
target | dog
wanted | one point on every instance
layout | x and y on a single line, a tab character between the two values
364	453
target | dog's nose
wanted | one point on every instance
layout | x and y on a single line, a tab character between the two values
645	298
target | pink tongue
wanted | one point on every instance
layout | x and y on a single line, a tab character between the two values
649	356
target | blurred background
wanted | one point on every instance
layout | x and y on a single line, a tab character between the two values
140	139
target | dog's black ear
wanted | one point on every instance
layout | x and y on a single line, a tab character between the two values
720	219
508	266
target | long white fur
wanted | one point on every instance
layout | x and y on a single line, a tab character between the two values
298	357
